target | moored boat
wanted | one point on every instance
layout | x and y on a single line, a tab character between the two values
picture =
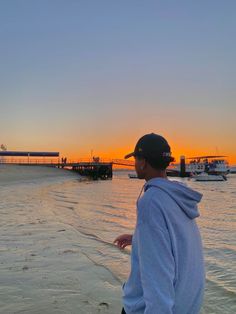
215	165
209	177
232	169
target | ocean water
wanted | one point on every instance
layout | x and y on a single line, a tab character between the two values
99	211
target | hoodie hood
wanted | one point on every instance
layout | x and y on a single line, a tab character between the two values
186	198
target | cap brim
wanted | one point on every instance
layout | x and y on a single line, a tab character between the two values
129	155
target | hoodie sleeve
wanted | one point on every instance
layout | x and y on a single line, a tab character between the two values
157	268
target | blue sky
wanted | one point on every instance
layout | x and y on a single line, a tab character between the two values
82	74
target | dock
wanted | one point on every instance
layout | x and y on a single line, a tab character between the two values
95	168
95	171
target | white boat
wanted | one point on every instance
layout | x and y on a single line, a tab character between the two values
133	176
232	169
209	177
216	165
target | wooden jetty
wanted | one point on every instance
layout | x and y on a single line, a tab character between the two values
94	169
97	169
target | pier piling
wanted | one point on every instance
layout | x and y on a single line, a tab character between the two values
182	167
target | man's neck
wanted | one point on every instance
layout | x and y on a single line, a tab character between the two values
156	174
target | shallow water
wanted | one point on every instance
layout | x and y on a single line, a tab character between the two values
98	211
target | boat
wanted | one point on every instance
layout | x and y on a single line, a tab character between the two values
215	165
132	175
204	176
232	169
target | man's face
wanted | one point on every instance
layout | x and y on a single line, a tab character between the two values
140	166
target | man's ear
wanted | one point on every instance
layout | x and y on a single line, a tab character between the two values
144	164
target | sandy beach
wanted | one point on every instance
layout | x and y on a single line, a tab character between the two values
42	268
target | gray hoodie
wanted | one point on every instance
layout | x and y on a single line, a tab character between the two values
167	269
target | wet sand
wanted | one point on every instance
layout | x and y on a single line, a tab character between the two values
42	267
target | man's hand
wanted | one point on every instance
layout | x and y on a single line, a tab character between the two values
123	240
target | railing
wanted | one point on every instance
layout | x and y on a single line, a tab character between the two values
47	161
123	162
27	162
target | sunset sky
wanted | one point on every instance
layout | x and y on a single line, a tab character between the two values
82	75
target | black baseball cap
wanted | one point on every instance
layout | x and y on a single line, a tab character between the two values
152	146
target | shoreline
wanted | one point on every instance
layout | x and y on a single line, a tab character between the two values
44	267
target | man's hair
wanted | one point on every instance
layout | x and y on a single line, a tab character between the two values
159	163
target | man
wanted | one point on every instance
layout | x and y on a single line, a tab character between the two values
167	269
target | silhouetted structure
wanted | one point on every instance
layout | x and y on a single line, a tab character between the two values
94	170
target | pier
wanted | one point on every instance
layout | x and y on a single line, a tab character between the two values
95	168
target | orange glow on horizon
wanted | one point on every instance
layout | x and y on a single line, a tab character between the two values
119	154
119	147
